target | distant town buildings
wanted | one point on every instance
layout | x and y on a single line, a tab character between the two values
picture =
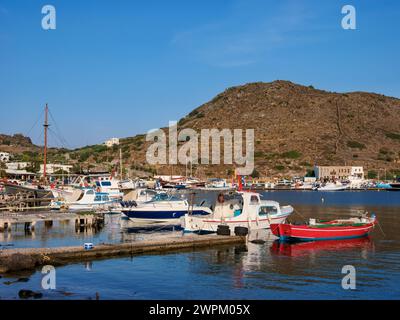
338	172
17	165
17	170
4	157
111	142
52	168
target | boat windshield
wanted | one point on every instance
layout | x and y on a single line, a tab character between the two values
267	210
164	197
101	197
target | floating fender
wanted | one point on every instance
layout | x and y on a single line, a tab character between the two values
241	231
258	241
223	230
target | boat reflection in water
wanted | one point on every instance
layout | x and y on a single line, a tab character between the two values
299	249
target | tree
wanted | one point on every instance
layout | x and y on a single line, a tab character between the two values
3	168
255	174
372	174
310	173
34	166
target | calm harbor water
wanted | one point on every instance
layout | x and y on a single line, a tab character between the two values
257	271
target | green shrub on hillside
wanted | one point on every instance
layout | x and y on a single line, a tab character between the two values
292	154
391	135
355	145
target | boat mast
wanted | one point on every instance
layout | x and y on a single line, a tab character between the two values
120	163
46	126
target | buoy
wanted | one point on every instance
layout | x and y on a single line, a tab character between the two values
322	199
88	246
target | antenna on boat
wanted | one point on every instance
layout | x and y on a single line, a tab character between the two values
46	126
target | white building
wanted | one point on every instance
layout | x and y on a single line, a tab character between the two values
338	172
111	142
4	157
357	172
17	165
52	168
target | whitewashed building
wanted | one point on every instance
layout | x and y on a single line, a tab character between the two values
338	172
4	156
357	172
111	142
52	168
17	165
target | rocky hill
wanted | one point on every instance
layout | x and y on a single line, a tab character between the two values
16	143
295	127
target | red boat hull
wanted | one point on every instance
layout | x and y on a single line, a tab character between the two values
288	232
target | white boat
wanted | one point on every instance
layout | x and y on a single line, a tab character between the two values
244	209
331	186
217	184
129	184
66	193
110	186
163	207
89	200
356	183
134	198
303	186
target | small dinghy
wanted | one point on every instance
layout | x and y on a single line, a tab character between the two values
325	230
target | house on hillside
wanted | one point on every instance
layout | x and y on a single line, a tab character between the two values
17	165
4	157
112	142
52	168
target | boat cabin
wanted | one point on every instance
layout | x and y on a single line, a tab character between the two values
140	195
247	205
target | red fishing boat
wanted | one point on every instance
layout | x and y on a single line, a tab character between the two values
325	230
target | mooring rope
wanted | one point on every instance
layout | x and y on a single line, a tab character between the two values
379	225
301	216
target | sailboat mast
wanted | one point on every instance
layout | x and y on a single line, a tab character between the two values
46	126
120	163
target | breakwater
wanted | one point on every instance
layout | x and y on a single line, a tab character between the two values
30	258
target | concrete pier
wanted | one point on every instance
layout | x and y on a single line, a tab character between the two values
24	259
30	220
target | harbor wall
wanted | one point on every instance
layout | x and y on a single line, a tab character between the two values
30	258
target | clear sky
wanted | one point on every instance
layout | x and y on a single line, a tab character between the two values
117	68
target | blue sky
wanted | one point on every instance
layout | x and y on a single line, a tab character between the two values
117	68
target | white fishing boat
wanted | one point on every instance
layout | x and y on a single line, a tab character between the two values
130	184
110	186
243	209
303	186
333	186
163	207
89	200
215	184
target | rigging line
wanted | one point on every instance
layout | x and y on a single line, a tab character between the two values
60	136
40	136
37	120
57	137
66	144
